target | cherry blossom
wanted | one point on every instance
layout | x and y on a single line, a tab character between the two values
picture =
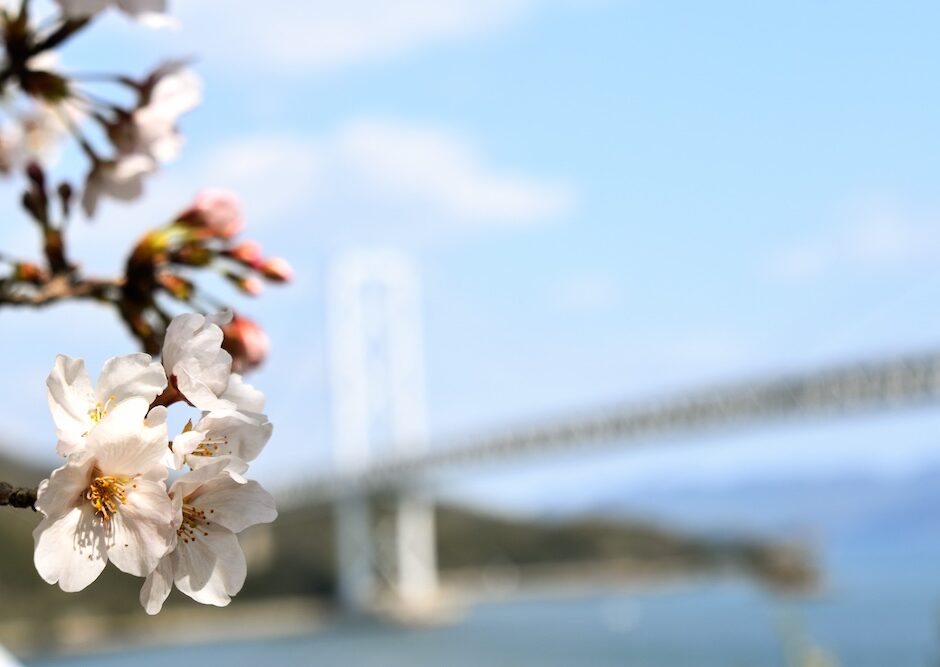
201	370
30	135
150	129
108	502
121	178
212	503
150	12
77	407
222	433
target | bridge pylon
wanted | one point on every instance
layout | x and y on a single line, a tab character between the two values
378	400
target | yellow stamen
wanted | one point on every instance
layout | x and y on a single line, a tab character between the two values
100	411
210	447
106	493
193	517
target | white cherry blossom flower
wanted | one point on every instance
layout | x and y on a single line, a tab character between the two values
121	179
151	128
12	147
221	433
213	504
32	135
148	12
77	406
108	502
202	371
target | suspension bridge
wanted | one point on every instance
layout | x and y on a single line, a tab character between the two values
378	397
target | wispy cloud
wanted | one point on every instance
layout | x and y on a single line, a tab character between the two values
378	180
443	170
321	35
877	238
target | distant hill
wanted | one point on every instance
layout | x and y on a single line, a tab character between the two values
852	512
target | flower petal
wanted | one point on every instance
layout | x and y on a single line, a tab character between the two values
71	397
197	391
124	444
182	446
188	486
211	568
70	549
192	351
130	375
64	488
142	530
157	587
236	506
80	9
242	395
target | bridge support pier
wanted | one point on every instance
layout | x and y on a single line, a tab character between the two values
416	550
355	551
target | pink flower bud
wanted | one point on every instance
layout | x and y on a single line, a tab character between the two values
246	342
248	253
249	285
277	269
216	211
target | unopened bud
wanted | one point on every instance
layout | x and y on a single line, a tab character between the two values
215	211
35	174
246	342
248	253
277	269
248	284
65	196
29	273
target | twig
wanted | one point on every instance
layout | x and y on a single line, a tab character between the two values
20	497
57	289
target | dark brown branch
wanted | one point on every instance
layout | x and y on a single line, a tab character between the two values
19	497
64	32
58	288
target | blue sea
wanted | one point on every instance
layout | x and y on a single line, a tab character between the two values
876	622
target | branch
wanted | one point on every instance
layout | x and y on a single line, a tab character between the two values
57	288
19	497
64	32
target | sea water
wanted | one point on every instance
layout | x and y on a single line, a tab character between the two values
726	624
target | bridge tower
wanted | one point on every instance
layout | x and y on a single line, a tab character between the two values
378	399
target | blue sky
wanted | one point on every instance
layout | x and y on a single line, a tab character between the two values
605	199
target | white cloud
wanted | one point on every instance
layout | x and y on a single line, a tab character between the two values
378	180
878	238
320	35
444	171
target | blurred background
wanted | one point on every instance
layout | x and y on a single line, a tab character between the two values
580	243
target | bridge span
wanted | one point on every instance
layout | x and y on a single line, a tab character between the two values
869	386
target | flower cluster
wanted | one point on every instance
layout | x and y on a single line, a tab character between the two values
136	129
110	502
